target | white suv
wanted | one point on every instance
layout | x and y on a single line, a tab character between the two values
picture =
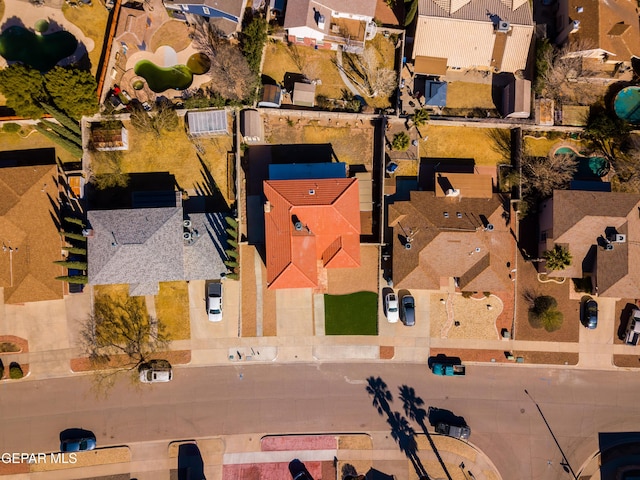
391	307
156	371
214	302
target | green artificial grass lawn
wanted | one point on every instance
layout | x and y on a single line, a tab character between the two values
353	314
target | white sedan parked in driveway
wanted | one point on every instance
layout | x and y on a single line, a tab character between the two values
391	307
214	302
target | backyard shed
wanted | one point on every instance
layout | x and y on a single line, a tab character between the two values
251	126
209	122
516	99
271	96
304	94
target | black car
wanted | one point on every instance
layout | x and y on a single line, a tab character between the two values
590	314
408	311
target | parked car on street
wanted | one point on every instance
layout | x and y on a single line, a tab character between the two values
391	307
214	302
461	433
408	311
590	314
156	371
82	443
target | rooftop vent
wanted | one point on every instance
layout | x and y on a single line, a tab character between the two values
452	192
321	22
489	227
267	206
312	191
503	26
298	226
407	245
620	238
576	26
446	214
579	9
608	246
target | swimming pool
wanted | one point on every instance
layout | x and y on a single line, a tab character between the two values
42	52
589	168
160	79
627	104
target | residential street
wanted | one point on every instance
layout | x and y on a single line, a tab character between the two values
331	398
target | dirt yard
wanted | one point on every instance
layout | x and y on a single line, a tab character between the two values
476	317
529	286
351	141
460	142
350	280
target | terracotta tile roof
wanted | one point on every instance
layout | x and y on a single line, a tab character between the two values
26	225
580	221
457	245
329	214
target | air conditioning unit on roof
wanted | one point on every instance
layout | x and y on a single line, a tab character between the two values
503	26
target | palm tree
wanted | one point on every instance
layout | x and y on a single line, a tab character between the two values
557	259
377	388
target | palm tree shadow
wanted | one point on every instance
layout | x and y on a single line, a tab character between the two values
401	431
412	406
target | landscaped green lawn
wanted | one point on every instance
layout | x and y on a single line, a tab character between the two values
353	314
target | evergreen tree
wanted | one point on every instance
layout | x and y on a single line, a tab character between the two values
62	132
23	89
254	36
63	119
63	142
72	91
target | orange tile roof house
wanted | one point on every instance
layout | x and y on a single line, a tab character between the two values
310	225
460	231
601	230
29	236
467	34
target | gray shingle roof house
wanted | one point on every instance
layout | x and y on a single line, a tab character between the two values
144	246
601	230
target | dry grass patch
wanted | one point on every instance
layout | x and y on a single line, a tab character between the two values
317	64
172	309
118	292
354	442
92	20
173	33
541	146
27	139
173	152
469	95
100	456
475	319
459	142
350	144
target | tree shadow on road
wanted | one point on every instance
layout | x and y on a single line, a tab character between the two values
401	430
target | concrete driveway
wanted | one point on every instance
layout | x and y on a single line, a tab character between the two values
202	329
294	312
596	345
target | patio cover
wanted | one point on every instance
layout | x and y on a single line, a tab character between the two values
430	65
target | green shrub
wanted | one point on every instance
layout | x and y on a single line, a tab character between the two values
232	243
231	253
11	127
232	276
75	236
401	141
231	263
233	233
544	314
232	222
8	347
76	279
15	371
467	294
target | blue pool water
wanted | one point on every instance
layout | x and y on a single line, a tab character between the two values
627	104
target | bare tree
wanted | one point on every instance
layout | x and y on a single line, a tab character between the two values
120	336
543	175
367	72
231	75
564	68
